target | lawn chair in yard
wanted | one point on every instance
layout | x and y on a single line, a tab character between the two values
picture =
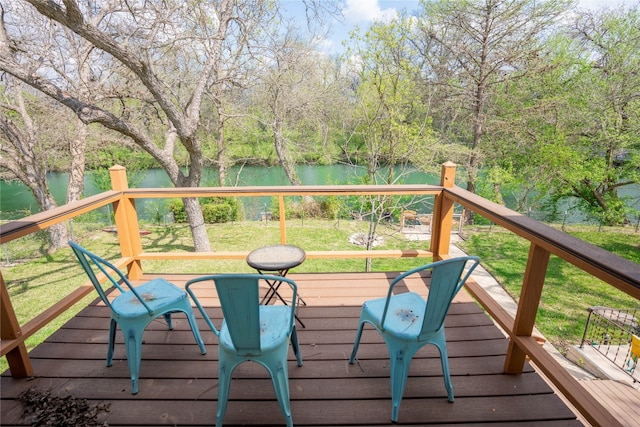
136	307
408	218
252	332
407	322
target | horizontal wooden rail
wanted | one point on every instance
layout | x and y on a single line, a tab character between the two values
40	221
297	190
15	229
391	253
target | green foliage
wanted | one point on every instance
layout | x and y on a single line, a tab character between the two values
101	159
573	131
219	209
118	153
214	209
331	207
176	207
215	213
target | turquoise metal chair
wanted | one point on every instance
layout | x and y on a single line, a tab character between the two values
135	308
407	322
252	332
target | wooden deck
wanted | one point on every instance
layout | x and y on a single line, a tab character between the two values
178	386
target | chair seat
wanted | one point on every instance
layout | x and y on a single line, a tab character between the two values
274	329
403	315
158	294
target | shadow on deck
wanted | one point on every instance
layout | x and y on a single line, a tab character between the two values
178	386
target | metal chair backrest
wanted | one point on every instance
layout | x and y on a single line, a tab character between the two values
239	298
446	281
240	301
111	272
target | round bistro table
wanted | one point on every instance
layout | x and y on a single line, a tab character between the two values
277	260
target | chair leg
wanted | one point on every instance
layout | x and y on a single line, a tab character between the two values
280	379
400	356
225	369
112	341
194	329
444	360
133	345
356	343
296	346
167	318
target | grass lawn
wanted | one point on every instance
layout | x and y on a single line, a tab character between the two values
36	279
568	291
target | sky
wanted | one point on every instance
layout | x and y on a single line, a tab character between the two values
363	12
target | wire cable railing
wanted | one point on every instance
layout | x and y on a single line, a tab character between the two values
615	333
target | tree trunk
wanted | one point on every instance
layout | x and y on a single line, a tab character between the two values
77	149
478	130
283	154
192	207
196	224
221	158
58	233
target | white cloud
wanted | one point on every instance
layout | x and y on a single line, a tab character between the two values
367	11
597	4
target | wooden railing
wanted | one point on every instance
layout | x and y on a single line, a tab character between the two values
618	272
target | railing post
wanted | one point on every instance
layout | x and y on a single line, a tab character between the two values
283	225
443	214
18	358
525	320
126	221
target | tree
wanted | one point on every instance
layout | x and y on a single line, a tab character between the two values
392	124
469	48
530	117
168	61
35	130
297	84
604	146
571	131
165	56
25	154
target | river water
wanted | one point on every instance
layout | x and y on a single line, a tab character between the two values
17	201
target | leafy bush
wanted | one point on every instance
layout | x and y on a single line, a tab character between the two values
215	210
176	207
216	213
331	207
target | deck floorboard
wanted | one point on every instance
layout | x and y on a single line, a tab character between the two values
178	385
